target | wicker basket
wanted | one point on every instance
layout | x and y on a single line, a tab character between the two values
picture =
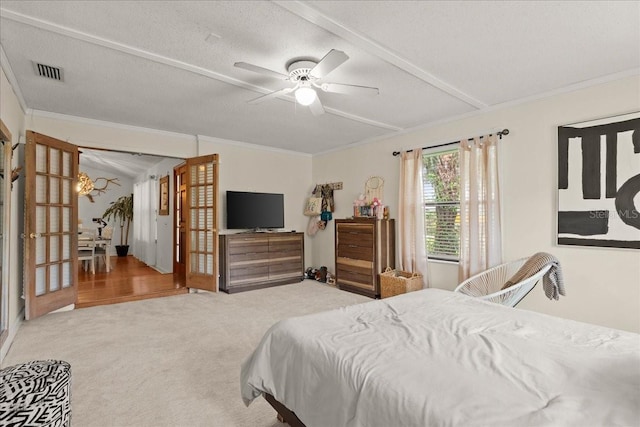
396	282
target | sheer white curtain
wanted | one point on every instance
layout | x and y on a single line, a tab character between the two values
411	240
145	195
480	235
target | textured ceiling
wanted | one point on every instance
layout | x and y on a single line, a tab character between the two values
169	65
117	163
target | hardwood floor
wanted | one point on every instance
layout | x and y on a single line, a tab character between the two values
129	280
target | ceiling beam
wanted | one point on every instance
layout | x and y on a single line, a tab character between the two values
367	44
141	53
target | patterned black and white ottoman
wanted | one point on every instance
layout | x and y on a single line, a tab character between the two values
36	393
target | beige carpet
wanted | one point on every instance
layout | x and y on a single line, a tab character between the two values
172	361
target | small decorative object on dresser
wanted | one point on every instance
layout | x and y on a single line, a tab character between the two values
365	247
260	260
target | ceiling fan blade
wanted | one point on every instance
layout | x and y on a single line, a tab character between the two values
330	62
271	95
349	89
316	107
260	70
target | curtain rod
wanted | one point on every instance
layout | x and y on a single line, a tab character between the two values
499	133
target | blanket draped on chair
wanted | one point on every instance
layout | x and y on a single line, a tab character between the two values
552	282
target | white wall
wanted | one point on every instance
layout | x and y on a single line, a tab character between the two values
603	285
243	167
13	117
164	223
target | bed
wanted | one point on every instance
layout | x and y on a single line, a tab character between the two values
440	358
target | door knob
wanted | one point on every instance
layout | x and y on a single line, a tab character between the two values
34	235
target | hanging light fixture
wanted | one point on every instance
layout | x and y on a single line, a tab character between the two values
85	184
305	95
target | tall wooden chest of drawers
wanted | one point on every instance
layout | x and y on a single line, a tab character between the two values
260	260
365	247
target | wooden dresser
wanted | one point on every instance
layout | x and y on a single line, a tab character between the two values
365	247
260	260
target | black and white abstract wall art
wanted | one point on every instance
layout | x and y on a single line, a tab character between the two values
599	183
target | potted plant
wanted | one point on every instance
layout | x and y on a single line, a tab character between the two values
121	210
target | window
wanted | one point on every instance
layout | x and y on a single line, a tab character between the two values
441	195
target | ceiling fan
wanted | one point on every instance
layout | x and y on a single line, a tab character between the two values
305	76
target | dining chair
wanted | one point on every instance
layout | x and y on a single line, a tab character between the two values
103	250
87	249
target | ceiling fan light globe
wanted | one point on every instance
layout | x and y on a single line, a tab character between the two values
305	96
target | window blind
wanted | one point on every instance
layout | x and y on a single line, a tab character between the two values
441	196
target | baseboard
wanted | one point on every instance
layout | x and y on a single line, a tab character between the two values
69	307
13	330
160	270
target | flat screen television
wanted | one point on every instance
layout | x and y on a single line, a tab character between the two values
246	210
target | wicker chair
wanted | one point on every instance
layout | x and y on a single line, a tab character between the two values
488	284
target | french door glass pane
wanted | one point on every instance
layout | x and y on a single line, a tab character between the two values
66	274
54	219
41	189
41	251
201	242
54	161
66	247
209	264
66	220
66	192
54	249
54	277
209	221
202	264
67	163
41	158
209	247
54	190
209	195
41	219
194	175
40	281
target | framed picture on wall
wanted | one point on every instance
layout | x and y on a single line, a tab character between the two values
164	196
599	183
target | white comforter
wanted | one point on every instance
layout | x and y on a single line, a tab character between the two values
436	358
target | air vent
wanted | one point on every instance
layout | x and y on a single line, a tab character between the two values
47	71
